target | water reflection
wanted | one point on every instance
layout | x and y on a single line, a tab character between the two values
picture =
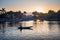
41	30
54	28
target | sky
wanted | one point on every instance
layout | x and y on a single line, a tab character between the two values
30	5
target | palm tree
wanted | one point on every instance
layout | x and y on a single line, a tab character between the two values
3	10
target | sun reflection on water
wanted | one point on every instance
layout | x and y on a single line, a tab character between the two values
43	29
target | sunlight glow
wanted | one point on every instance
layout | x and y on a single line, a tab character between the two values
40	10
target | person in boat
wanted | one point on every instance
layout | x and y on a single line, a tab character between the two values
20	27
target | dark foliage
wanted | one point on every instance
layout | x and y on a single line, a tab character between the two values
50	16
17	16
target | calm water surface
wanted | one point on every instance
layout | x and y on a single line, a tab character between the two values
41	31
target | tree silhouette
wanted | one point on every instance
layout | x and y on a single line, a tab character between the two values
3	10
25	12
51	14
13	16
58	12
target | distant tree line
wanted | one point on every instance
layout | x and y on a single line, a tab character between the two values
12	16
50	16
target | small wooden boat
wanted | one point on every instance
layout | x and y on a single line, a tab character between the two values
25	27
21	28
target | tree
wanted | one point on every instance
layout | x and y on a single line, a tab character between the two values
3	10
35	15
25	12
51	14
58	12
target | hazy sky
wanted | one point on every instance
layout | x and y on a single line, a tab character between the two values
30	5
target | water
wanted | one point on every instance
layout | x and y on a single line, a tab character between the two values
46	30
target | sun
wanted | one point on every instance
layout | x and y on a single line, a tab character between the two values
40	10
